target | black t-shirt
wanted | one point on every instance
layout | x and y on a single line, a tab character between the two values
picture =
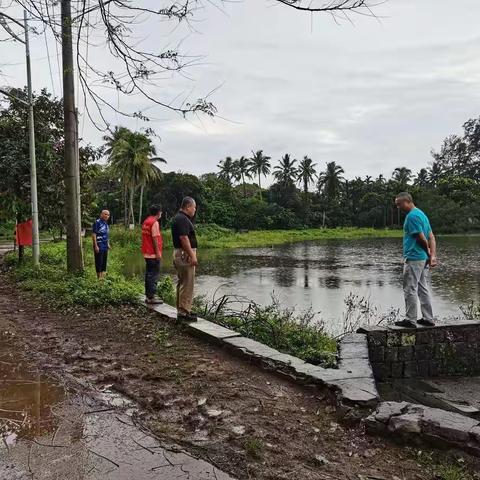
182	225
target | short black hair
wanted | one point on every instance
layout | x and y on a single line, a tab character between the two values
404	196
155	209
186	202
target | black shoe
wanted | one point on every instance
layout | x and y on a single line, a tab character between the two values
187	317
426	323
406	324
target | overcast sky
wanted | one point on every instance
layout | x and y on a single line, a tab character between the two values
370	96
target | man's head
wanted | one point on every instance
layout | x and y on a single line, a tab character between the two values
105	215
189	206
155	211
404	202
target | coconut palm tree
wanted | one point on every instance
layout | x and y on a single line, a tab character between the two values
285	172
260	166
421	179
330	181
132	159
306	173
227	169
242	170
402	175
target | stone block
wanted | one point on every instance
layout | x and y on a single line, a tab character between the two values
211	331
435	368
287	360
397	370
423	368
353	338
360	391
424	338
377	354
251	347
391	354
405	353
410	369
354	350
356	367
377	339
424	352
381	371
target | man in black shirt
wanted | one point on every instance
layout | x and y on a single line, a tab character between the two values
185	257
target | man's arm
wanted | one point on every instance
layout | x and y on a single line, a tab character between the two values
432	245
187	248
95	244
155	236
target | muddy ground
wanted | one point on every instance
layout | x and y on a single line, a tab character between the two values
244	421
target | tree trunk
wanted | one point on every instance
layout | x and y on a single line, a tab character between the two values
72	170
259	186
244	187
141	204
131	214
125	206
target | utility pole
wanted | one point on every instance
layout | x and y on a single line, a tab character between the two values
33	162
72	168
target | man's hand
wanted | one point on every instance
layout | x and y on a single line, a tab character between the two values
109	247
95	247
158	256
433	262
193	261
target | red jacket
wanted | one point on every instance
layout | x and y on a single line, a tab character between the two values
151	233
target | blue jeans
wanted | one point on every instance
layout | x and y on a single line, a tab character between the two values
152	273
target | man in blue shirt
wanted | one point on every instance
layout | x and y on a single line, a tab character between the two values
101	243
420	254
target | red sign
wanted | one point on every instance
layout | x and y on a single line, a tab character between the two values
24	233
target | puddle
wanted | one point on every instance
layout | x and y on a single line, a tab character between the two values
26	398
48	435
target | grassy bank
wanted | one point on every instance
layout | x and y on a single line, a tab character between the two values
213	236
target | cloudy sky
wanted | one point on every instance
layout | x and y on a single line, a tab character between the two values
370	96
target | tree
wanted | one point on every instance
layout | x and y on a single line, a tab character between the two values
260	166
242	169
132	159
285	172
330	181
421	179
227	169
402	176
306	173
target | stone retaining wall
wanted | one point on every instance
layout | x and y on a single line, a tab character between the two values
352	383
444	350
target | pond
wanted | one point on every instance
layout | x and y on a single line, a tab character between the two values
322	274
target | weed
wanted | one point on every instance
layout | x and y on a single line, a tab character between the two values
254	447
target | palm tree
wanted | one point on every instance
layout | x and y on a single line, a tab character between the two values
285	172
330	181
306	173
227	169
402	175
422	178
242	170
434	173
260	166
132	159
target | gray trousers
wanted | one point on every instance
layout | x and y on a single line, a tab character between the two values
415	287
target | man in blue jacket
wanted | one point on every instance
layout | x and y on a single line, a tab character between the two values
420	254
101	243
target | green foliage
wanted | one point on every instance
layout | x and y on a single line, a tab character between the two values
61	289
166	290
254	447
298	334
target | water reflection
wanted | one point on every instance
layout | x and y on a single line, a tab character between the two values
321	274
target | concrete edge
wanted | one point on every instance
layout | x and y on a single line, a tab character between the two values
409	422
352	383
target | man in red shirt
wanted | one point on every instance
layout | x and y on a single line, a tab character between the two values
152	245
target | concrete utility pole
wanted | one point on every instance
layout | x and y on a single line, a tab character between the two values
72	166
33	162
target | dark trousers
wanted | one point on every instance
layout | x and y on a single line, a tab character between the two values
101	261
152	273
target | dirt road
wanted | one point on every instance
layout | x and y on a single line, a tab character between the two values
184	394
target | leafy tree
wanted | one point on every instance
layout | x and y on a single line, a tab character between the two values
402	176
330	181
228	170
242	169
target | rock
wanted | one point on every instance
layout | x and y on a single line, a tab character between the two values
201	402
330	409
214	413
408	423
321	460
238	430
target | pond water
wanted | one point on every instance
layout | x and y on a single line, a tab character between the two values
322	274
